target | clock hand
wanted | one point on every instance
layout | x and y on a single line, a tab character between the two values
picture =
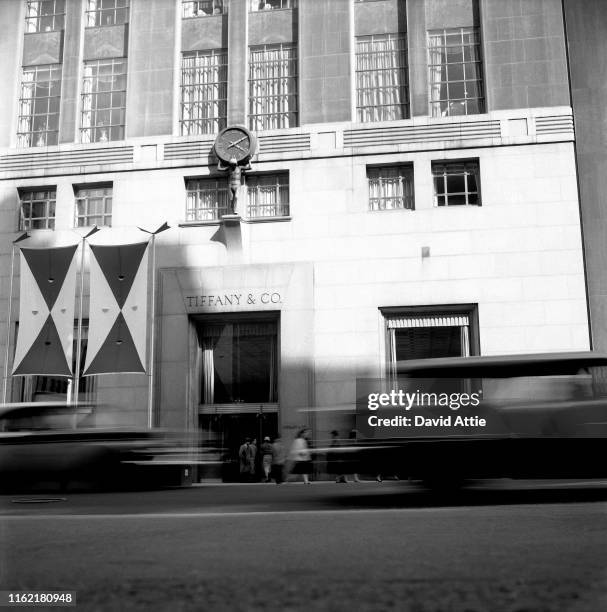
232	144
235	144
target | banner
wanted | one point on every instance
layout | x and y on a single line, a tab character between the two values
118	309
46	312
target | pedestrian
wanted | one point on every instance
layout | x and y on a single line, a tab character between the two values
300	455
243	459
266	458
251	456
334	460
278	461
352	440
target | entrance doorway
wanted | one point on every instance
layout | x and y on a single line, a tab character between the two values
229	431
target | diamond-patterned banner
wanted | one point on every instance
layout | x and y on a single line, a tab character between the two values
46	312
118	309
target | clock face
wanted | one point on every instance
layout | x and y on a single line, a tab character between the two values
234	143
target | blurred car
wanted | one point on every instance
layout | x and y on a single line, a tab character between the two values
536	416
544	416
53	444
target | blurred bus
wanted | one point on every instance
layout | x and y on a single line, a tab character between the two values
544	416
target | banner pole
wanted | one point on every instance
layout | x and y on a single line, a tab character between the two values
165	226
79	333
152	334
8	328
77	377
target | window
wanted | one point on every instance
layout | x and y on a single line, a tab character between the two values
426	332
94	205
39	106
203	8
44	15
456	82
268	195
456	184
381	78
103	100
106	12
239	359
207	199
37	210
268	5
390	187
273	87
204	91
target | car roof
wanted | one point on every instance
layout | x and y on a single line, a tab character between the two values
30	409
503	366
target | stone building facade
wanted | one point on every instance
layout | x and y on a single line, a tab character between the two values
414	192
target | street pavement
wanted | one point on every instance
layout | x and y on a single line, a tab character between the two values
359	546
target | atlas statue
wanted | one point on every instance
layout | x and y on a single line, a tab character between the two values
234	147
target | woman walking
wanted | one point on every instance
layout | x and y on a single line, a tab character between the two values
266	458
300	455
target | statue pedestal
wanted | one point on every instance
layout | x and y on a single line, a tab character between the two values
230	219
232	234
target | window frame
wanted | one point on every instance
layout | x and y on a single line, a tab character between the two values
467	165
283	209
26	138
50	204
94	13
406	171
375	111
292	5
212	4
97	130
232	318
57	17
86	216
218	122
259	81
469	310
221	187
472	51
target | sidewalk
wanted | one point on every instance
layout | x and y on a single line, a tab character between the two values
218	481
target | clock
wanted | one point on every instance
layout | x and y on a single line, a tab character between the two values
235	144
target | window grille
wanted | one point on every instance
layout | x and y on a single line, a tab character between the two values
44	15
203	8
273	87
207	199
103	100
456	81
107	12
38	124
267	195
390	187
429	341
37	210
381	78
94	206
430	333
456	184
268	5
204	91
